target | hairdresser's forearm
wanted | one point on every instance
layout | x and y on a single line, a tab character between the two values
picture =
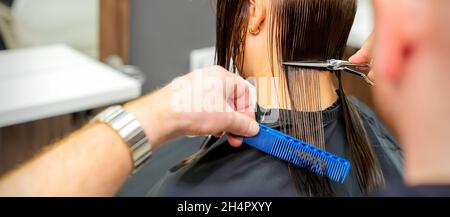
91	162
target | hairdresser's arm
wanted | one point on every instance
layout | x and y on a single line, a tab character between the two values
365	54
96	162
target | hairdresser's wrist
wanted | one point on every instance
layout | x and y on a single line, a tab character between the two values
154	115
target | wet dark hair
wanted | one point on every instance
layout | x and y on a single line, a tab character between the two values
304	30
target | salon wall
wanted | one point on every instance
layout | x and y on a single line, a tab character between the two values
164	32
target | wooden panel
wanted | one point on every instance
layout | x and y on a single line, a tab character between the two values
114	28
21	142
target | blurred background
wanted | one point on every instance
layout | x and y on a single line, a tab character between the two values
61	61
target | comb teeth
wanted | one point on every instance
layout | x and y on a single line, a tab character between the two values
300	154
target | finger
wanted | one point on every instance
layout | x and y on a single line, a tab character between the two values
236	86
240	124
365	54
245	105
218	135
371	75
238	92
362	56
235	141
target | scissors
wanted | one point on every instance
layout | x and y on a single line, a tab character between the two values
361	70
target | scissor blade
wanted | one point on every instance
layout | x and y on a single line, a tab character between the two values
307	64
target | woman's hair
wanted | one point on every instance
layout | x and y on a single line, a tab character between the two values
303	30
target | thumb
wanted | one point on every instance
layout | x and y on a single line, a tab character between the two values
241	125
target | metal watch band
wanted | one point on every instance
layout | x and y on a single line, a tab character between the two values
126	125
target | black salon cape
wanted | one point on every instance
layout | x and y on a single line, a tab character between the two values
227	171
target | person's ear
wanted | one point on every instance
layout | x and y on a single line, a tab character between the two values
257	16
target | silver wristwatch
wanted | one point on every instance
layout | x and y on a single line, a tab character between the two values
131	131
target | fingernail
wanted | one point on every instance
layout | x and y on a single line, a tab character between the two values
254	128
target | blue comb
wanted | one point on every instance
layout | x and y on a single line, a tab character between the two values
299	153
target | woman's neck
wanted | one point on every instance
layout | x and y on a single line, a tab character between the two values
272	94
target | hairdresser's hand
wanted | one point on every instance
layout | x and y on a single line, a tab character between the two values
205	102
365	54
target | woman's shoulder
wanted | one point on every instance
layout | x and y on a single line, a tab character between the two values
380	136
372	120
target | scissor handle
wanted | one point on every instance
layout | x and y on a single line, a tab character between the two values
341	64
362	68
363	74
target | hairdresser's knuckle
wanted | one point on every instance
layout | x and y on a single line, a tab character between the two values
242	125
230	121
205	128
220	69
366	55
224	73
216	70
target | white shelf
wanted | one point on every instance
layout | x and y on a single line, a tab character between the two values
43	82
363	25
